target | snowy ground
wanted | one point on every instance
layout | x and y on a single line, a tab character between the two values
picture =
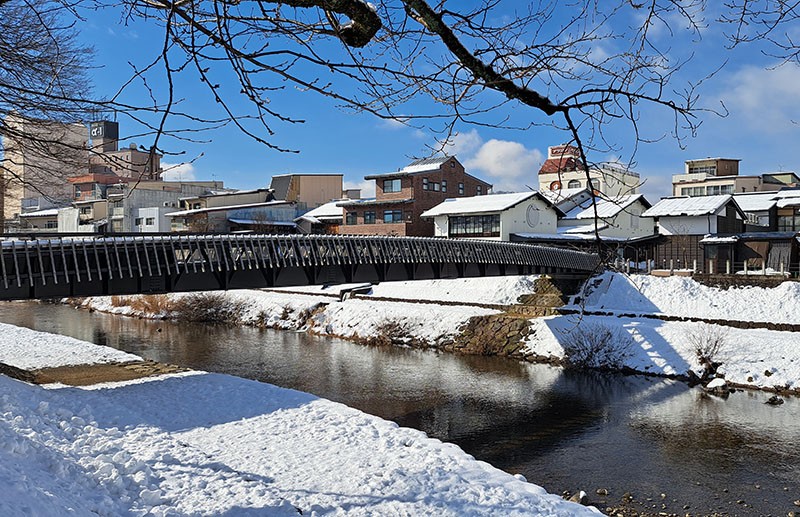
198	443
208	444
752	357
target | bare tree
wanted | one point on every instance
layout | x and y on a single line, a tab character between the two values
582	66
42	90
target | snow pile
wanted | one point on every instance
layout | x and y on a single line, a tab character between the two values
682	296
197	443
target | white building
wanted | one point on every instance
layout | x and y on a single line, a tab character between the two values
563	170
616	217
697	215
493	217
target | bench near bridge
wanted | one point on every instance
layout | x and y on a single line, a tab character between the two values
66	266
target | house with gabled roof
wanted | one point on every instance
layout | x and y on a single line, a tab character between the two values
619	216
494	217
402	196
684	221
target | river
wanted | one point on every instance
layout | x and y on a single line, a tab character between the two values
560	429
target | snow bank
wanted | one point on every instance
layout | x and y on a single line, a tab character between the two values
421	321
196	443
28	349
754	357
682	296
498	290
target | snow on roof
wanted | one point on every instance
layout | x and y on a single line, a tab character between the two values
583	229
789	201
557	196
713	239
50	212
223	208
479	204
756	202
687	206
264	223
426	164
578	237
606	208
327	211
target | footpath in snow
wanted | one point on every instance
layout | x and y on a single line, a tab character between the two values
206	444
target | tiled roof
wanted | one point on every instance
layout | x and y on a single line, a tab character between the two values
560	164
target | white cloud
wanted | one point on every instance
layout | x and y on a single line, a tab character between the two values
177	172
393	124
367	187
462	144
508	165
767	99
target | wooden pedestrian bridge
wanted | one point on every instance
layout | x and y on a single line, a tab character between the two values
58	266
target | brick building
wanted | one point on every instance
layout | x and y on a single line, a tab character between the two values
402	196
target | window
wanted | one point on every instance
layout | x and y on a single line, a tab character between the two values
444	185
369	217
86	210
595	184
391	185
436	187
392	216
351	218
137	221
474	226
708	170
718	190
150	221
574	184
51	225
479	190
788	220
425	184
460	189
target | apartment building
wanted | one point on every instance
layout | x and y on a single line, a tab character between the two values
38	157
720	176
402	196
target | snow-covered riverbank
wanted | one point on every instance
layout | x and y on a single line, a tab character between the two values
206	444
757	358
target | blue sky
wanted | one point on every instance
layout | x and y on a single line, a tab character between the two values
763	101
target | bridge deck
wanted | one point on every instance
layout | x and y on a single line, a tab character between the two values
83	266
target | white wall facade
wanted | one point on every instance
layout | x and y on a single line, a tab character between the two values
530	216
683	225
151	219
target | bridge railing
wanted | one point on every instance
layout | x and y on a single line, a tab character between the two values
55	260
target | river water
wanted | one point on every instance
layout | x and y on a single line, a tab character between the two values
562	430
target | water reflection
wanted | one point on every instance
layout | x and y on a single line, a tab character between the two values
563	430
